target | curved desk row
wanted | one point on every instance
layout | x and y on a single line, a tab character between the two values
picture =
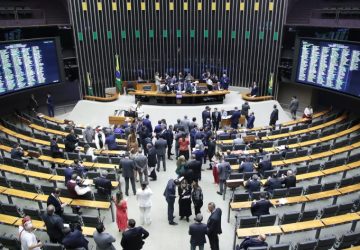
249	98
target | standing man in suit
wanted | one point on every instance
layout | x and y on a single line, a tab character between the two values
54	199
245	109
224	171
160	147
133	238
198	231
274	116
235	118
186	124
216	119
141	166
50	104
250	121
128	167
147	124
194	165
151	161
170	195
103	240
224	82
54	225
206	115
294	105
261	207
214	226
102	184
169	139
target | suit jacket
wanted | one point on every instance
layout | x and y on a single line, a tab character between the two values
250	122
252	242
170	191
56	203
160	146
216	118
294	105
211	147
186	124
265	166
133	238
289	181
261	207
104	241
224	170
245	109
205	114
141	162
74	240
235	117
253	186
214	223
152	160
54	226
274	116
195	166
128	167
199	155
103	185
273	183
197	232
147	124
246	167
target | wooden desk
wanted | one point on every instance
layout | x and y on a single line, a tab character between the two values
289	200
50	159
340	219
353	165
20	194
349	189
51	119
240	205
88	231
249	98
310	175
335	170
91	204
7	219
38	175
105	165
302	120
255	231
47	130
322	195
300	226
11	169
44	197
87	164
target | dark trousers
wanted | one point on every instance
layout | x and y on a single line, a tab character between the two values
214	241
161	158
170	210
50	110
132	180
216	125
185	154
197	207
153	173
169	150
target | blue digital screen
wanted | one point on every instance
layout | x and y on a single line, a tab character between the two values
27	64
327	64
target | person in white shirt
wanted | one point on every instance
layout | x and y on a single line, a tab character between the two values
223	114
308	112
89	151
158	82
27	237
143	196
238	140
99	138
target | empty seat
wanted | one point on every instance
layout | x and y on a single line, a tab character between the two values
103	159
90	221
282	142
18	163
275	157
256	195
47	189
268	144
325	243
314	167
345	208
340	144
72	156
101	197
111	176
87	158
16	184
284	130
71	218
329	211
329	186
346	182
267	220
295	191
308	215
8	161
257	248
304	138
301	170
329	164
235	176
239	147
240	197
340	161
10	242
11	209
4	182
307	245
290	155
224	136
275	132
293	140
232	160
279	193
316	150
347	240
52	246
280	247
247	222
356	179
92	174
46	151
33	166
301	153
33	213
311	189
291	217
30	187
354	157
115	160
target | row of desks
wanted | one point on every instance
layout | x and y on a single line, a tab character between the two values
40	225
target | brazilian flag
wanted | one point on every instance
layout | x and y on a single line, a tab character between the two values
118	81
271	83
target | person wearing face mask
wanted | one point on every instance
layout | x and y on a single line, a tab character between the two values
27	237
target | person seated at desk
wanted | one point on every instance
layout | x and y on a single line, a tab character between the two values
261	207
224	82
252	185
209	84
103	185
285	150
189	77
17	152
235	118
75	187
264	165
247	166
71	141
254	90
110	141
238	140
253	242
289	180
205	75
272	183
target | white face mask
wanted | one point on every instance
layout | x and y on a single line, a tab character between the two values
28	225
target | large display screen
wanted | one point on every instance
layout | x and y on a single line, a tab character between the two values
28	63
329	64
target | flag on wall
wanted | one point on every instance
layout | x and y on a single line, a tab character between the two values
90	89
118	81
271	82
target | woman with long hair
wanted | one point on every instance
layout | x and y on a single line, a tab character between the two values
184	191
132	143
180	166
121	212
197	197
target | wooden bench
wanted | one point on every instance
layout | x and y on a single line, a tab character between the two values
249	98
39	225
318	224
101	99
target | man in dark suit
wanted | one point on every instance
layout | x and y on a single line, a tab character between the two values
235	118
195	166
102	184
224	171
216	119
17	152
169	139
245	109
198	231
54	225
214	226
74	239
261	207
289	180
70	141
133	238
128	167
252	185
160	147
272	183
247	166
151	161
253	242
264	165
170	195
103	240
274	116
206	115
147	123
54	199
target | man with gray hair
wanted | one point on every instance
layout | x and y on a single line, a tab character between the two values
289	180
88	134
214	226
224	171
141	166
197	231
54	225
253	242
186	124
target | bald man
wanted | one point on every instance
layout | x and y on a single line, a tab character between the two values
54	225
253	242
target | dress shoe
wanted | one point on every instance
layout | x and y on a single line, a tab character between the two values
173	223
219	193
181	218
